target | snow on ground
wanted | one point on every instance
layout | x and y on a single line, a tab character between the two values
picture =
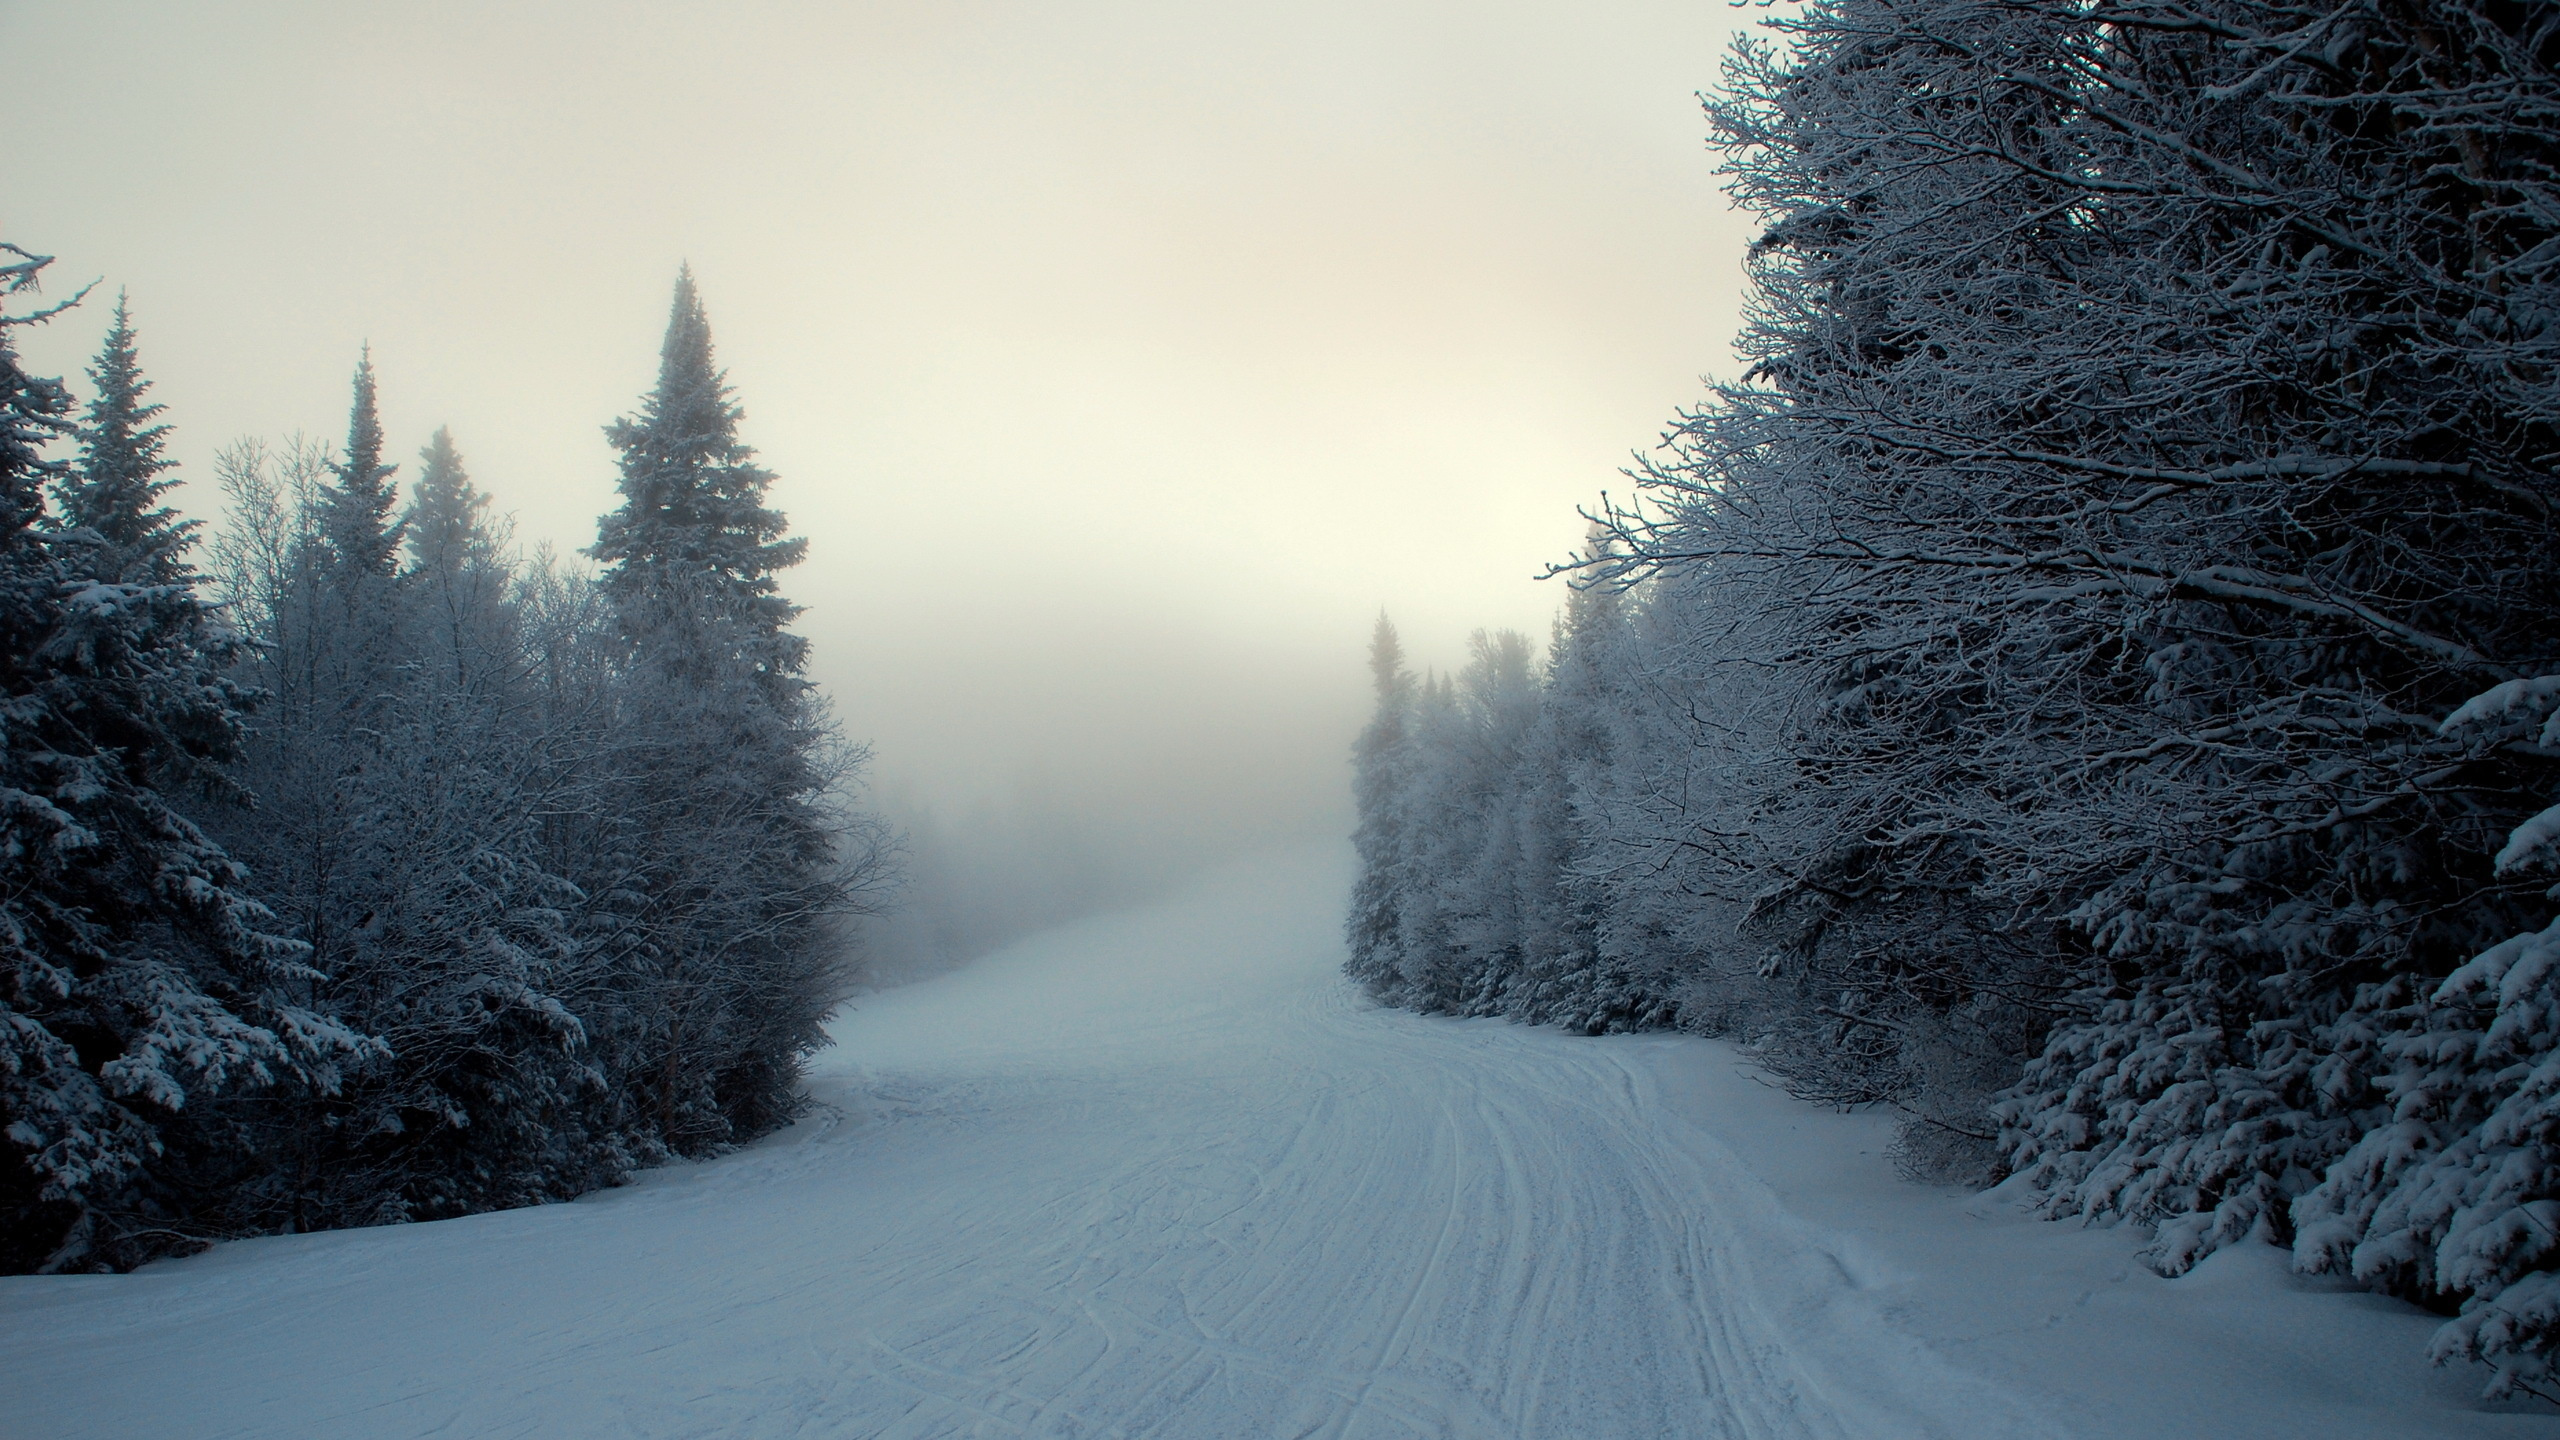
1163	1175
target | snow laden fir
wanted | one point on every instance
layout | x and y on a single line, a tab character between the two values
2093	683
356	867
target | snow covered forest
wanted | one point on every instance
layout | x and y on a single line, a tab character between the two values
361	867
2093	683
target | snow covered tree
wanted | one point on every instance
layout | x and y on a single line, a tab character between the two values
456	564
693	544
1576	967
735	862
2352	548
2121	597
447	526
1812	530
137	979
546	870
2086	663
360	521
1447	793
116	488
1380	761
411	773
1484	803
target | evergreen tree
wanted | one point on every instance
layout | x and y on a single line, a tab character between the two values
116	488
447	526
359	522
2452	1192
731	870
1456	814
136	978
455	563
1568	782
1380	759
693	544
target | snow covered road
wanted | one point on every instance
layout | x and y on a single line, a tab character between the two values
1159	1175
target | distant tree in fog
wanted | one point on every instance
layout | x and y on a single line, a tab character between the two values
1381	761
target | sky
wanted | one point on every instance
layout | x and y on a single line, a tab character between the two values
1121	360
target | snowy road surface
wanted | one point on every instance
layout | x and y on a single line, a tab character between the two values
1158	1175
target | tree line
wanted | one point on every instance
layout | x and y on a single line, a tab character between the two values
2093	684
357	866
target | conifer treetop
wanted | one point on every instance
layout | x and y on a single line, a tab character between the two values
1386	660
32	408
447	523
361	528
693	521
114	490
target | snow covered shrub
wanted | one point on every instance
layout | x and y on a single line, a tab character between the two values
2454	1195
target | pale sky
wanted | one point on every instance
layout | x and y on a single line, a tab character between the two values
1120	359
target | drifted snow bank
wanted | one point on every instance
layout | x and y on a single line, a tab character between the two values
1163	1174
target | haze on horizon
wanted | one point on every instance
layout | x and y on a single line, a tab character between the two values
1120	361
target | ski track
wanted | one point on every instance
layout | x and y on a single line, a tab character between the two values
1162	1175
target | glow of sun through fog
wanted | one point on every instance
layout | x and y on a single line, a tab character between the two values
1120	359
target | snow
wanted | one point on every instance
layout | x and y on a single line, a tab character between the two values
2533	845
2501	700
1165	1174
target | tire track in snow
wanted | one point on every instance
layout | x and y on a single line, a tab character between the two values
1156	1177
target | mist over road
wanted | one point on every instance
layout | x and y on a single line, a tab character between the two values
1159	1174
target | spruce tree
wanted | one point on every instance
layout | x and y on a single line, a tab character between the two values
136	976
455	565
116	488
359	523
693	543
447	526
1380	761
731	868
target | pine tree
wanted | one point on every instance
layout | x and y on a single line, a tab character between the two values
136	976
115	490
2453	1191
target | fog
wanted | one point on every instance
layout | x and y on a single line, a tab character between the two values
1120	359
